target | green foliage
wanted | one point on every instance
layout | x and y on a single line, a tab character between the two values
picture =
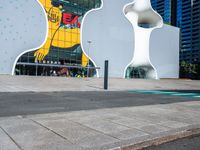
188	67
188	70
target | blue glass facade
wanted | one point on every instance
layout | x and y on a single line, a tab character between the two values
163	8
186	16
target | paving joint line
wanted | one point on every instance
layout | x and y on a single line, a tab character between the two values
130	128
11	139
107	134
151	123
79	124
54	132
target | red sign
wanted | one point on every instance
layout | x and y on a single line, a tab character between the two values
70	19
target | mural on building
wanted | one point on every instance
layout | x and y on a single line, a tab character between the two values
106	34
62	46
64	30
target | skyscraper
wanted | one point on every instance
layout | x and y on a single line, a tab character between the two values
167	9
186	15
196	30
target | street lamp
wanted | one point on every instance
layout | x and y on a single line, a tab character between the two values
88	67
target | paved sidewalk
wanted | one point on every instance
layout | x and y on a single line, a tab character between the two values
50	84
98	129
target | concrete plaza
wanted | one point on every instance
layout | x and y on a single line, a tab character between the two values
98	129
51	84
50	114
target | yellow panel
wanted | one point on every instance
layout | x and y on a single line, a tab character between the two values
58	36
54	19
66	38
85	60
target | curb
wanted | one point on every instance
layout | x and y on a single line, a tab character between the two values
163	140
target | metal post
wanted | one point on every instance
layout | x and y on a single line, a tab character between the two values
36	69
88	67
106	75
88	70
36	66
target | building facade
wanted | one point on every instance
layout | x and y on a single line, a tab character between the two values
184	14
74	38
167	9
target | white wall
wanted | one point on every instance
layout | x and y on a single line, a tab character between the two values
23	28
112	37
164	51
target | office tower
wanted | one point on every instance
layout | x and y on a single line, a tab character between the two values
167	9
184	14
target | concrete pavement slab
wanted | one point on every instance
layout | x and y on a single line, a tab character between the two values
174	124
104	126
128	134
57	131
130	122
99	141
72	131
154	129
6	143
109	121
30	135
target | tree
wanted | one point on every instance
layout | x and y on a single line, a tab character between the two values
188	70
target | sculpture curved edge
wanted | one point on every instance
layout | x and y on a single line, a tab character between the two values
81	31
160	26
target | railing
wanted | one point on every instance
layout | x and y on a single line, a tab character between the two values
56	65
49	73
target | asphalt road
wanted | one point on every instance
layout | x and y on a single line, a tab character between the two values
13	104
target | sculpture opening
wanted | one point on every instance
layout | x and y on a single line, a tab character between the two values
144	20
141	72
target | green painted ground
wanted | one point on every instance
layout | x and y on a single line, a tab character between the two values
168	93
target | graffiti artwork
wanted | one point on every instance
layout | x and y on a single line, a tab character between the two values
64	30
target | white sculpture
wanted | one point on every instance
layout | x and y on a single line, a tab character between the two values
143	43
144	20
23	28
128	33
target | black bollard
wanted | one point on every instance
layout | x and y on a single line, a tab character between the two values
106	75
